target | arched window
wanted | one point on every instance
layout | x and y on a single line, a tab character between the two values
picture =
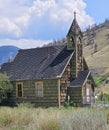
72	40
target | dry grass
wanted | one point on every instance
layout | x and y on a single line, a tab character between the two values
104	89
52	119
99	62
99	59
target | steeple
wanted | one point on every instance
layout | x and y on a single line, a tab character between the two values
75	15
74	28
74	39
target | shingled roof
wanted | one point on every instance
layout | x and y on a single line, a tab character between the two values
81	78
38	63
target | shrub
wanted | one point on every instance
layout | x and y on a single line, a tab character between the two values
25	105
98	80
70	104
5	87
106	96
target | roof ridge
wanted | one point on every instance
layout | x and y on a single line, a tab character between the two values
41	47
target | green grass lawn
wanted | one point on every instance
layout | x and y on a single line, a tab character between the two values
23	118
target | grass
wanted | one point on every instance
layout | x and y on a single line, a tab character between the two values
98	60
23	118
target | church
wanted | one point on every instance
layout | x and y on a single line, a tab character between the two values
50	76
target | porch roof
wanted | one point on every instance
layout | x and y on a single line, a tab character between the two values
80	80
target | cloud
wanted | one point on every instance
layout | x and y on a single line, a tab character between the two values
40	19
7	26
23	43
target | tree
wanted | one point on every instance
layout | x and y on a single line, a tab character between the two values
95	48
5	87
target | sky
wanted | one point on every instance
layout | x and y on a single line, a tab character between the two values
33	23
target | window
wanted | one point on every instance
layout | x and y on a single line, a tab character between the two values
39	89
19	90
72	40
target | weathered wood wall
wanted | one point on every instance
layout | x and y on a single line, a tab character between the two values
50	93
75	94
88	98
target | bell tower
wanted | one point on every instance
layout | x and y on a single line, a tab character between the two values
74	42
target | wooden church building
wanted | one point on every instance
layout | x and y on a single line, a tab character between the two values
50	76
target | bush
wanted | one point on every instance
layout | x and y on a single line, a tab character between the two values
5	87
70	104
25	105
99	80
106	96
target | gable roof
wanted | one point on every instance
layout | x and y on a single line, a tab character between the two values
81	78
38	63
74	28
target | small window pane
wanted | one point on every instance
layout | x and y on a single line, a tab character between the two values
39	89
19	90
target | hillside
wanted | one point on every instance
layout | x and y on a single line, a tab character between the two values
7	53
96	51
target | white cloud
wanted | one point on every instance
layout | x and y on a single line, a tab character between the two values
21	18
39	8
23	43
8	26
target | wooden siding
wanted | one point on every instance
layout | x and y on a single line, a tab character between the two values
50	93
75	94
88	95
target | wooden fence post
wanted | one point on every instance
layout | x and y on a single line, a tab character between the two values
108	118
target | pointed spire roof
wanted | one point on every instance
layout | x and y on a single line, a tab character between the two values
74	28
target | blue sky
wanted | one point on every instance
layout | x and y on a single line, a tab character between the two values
33	23
98	9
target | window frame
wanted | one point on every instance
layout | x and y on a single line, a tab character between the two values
72	41
37	90
17	95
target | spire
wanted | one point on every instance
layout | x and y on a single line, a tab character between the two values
74	28
75	15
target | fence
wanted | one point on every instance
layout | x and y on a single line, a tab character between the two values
103	103
94	102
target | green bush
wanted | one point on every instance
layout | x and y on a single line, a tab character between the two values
106	96
25	105
69	104
99	80
5	87
66	104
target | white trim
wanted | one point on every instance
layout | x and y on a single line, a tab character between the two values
86	78
59	76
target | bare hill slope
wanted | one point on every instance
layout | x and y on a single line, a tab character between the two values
96	53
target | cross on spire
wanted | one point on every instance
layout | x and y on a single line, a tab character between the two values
75	15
